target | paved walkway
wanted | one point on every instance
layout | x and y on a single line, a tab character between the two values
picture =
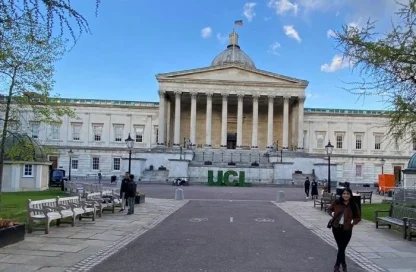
79	248
378	250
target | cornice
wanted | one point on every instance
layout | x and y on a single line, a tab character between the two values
234	83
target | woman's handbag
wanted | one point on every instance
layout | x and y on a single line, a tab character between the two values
331	221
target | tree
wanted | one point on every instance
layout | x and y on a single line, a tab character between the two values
387	65
27	58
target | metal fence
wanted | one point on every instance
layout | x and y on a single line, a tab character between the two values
242	157
405	195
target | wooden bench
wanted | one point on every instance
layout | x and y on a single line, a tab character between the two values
398	215
79	208
365	196
325	200
114	196
411	228
100	203
45	210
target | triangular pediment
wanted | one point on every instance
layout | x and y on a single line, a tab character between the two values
230	73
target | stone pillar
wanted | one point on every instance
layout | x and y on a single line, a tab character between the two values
300	122
208	122
177	132
193	118
254	144
270	122
224	120
168	119
161	135
240	98
285	122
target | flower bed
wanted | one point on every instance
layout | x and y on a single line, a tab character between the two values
11	232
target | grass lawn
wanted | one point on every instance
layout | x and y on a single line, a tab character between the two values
14	204
367	210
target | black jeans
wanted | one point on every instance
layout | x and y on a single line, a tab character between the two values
307	192
342	237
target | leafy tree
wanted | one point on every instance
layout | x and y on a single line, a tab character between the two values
27	58
386	63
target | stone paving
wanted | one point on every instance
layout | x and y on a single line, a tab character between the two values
376	250
81	247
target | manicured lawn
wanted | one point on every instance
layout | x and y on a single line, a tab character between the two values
14	204
367	210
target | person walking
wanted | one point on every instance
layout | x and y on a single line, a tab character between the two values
100	176
123	190
314	191
131	195
345	215
307	187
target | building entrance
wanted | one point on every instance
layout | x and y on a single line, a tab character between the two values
231	140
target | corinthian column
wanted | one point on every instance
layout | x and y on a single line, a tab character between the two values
161	135
286	122
300	121
270	122
208	122
177	132
224	120
254	144
240	98
193	118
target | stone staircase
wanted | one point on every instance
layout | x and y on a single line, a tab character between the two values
154	176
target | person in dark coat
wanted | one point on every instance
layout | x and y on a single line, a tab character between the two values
123	190
314	192
131	195
307	187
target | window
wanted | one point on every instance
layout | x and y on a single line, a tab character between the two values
358	170
28	170
414	143
76	132
98	131
118	133
139	130
156	133
339	141
74	164
95	163
358	141
320	143
377	142
55	131
116	164
35	130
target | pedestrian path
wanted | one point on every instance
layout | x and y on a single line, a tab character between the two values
81	247
376	250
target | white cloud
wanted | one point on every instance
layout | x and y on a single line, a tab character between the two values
337	63
283	6
291	32
273	48
206	32
330	33
221	38
248	11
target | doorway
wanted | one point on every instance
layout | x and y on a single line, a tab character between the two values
231	140
397	173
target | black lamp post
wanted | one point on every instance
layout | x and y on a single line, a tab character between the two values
70	153
130	143
329	148
383	161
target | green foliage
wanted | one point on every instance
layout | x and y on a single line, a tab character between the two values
387	64
223	179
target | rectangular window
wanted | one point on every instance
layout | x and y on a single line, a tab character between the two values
35	130
98	132
377	142
118	133
76	132
358	170
414	143
320	143
74	164
55	131
358	141
139	131
156	134
28	170
116	164
339	141
95	163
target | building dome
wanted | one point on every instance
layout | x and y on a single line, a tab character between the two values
412	162
233	55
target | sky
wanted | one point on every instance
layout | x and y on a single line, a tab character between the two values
133	40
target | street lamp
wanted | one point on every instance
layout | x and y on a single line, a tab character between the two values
130	143
70	153
329	148
383	161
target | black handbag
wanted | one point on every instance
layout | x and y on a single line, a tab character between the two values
331	221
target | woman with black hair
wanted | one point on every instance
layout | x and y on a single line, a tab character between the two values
345	215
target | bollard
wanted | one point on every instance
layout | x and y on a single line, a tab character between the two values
280	196
179	194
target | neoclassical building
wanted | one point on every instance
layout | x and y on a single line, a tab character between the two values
230	111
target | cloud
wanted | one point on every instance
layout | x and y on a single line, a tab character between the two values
221	38
206	32
337	63
311	95
330	33
273	48
291	32
283	6
248	11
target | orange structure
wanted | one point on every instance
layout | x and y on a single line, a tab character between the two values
386	182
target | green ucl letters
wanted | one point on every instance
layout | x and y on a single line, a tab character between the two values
229	178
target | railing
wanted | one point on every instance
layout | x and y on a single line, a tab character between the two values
227	157
405	195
